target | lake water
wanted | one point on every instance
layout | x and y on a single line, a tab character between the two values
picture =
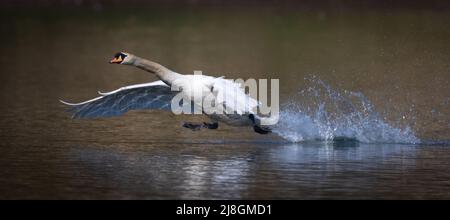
365	104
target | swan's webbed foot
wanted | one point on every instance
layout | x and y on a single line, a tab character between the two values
213	125
258	129
192	126
261	130
198	126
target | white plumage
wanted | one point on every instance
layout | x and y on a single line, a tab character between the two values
231	104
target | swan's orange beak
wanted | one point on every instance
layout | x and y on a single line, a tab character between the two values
117	60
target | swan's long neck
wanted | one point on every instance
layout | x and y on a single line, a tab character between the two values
162	72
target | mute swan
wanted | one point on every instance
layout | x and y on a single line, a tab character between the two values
158	95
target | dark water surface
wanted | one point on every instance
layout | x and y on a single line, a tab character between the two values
399	60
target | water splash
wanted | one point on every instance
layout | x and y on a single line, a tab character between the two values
323	113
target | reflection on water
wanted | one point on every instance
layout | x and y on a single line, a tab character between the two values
397	59
315	170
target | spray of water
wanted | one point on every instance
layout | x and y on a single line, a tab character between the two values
323	113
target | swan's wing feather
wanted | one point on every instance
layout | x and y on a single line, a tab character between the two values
156	83
231	95
142	96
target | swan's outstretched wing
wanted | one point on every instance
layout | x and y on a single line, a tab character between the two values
154	95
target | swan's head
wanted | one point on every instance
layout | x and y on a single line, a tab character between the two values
122	58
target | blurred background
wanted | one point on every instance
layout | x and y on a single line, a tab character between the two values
396	53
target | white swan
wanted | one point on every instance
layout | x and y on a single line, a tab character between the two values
158	95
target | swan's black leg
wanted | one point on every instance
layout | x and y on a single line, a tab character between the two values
213	125
258	129
261	130
252	118
192	126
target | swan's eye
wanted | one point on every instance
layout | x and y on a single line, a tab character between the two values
117	55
